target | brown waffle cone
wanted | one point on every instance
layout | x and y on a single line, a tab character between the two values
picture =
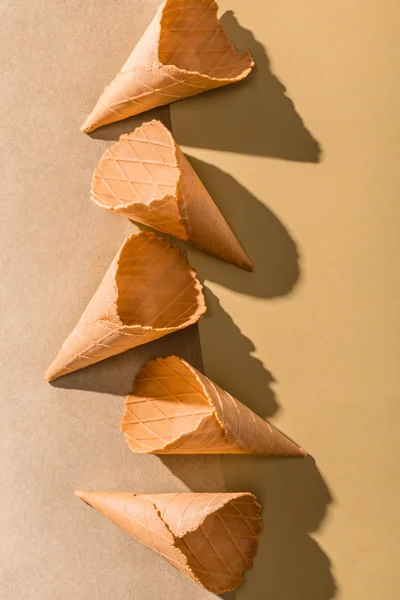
149	291
146	177
177	410
183	52
210	537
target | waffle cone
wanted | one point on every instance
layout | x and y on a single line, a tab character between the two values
211	538
175	409
146	177
183	52
149	291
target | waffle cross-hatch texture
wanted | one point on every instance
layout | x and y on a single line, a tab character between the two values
146	177
175	409
183	52
210	537
149	291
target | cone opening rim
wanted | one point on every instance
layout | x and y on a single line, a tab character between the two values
211	413
166	446
219	26
237	580
197	286
156	200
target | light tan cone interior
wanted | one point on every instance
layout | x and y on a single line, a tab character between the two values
149	290
146	177
183	52
177	410
211	538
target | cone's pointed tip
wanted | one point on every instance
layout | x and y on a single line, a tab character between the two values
243	262
88	126
52	373
79	494
49	375
298	452
249	266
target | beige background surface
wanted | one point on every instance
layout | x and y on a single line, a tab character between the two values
310	340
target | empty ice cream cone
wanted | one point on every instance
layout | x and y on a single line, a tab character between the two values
146	177
175	409
211	538
183	52
149	291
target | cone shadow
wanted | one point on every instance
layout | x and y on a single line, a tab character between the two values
263	236
227	356
113	131
116	375
228	596
254	116
295	499
198	472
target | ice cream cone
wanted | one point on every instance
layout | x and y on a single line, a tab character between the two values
149	291
175	409
146	177
183	52
211	538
